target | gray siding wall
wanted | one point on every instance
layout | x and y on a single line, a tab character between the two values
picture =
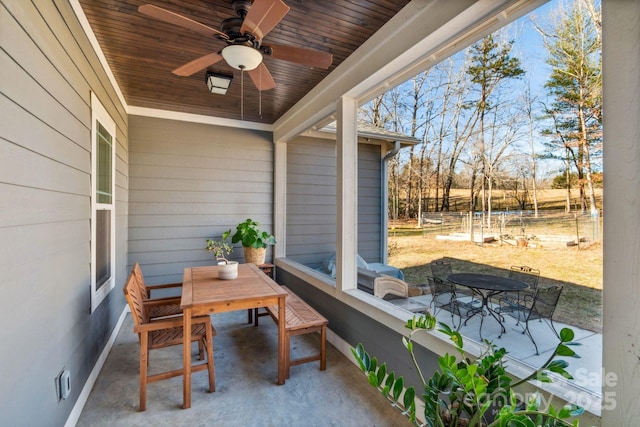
369	202
47	72
311	200
190	182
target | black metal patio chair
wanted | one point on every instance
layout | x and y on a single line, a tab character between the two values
542	307
512	301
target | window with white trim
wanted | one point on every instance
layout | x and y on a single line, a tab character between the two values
103	142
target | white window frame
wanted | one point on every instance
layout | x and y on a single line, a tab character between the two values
99	114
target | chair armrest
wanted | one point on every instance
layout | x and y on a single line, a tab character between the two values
385	285
156	325
528	299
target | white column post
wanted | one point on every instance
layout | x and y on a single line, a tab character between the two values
346	194
621	282
280	199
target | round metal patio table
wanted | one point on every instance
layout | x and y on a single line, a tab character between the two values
486	286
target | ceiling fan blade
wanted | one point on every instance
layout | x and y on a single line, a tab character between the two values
261	77
197	65
309	57
182	21
263	16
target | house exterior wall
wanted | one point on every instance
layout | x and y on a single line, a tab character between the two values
190	182
311	200
47	73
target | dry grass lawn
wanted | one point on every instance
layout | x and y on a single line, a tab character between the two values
578	270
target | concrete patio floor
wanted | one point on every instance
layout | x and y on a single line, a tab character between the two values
246	393
245	367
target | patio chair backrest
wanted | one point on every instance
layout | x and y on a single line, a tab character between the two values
134	296
545	303
440	269
525	274
441	291
139	278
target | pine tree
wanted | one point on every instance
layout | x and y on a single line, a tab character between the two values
575	86
491	65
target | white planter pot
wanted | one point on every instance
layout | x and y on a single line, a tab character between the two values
227	271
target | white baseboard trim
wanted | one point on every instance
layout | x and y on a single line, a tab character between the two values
88	385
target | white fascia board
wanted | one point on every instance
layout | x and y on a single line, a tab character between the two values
422	33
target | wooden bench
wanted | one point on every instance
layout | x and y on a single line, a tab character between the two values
300	319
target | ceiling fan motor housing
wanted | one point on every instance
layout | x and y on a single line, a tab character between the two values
241	7
231	27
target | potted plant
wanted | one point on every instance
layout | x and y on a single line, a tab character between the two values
254	241
472	387
219	248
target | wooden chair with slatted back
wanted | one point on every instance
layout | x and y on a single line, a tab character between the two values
157	307
165	332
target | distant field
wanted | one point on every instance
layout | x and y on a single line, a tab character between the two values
579	270
502	200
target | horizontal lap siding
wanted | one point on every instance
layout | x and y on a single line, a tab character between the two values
190	182
311	200
47	73
369	202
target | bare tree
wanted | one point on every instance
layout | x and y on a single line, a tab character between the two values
527	106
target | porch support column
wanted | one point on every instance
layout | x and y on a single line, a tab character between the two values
280	199
346	194
621	282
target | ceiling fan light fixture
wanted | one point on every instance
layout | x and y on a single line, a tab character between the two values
218	83
242	57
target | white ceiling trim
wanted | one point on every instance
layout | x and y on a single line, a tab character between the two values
84	22
198	118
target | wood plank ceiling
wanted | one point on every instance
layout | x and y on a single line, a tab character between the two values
142	52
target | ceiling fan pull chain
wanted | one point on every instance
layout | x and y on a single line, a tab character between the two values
242	93
260	93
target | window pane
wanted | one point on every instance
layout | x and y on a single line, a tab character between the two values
103	247
104	190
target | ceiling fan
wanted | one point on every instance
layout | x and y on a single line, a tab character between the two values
243	37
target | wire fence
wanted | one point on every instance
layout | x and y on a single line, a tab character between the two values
522	228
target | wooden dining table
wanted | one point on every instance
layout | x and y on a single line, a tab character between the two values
204	293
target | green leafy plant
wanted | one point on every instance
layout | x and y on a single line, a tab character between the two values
220	248
250	235
461	391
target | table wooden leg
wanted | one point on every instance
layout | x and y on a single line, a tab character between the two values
186	358
282	371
